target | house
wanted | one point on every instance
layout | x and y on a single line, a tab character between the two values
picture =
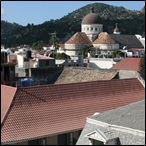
129	68
83	74
55	114
7	69
121	126
29	60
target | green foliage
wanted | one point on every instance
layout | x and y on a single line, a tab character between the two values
129	22
142	67
62	56
37	46
117	54
85	50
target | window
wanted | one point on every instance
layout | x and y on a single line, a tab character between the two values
12	68
97	142
41	141
96	29
33	142
65	139
47	62
91	28
98	137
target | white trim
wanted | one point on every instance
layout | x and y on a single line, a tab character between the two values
115	127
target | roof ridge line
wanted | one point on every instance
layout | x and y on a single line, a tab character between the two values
33	95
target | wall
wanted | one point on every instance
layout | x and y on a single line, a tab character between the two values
12	58
42	63
123	74
12	73
21	143
74	49
22	72
20	60
53	140
45	75
107	46
103	63
92	30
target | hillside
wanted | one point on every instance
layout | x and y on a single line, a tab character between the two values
129	22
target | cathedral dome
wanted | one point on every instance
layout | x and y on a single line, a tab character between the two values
92	18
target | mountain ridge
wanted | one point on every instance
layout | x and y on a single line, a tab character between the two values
13	34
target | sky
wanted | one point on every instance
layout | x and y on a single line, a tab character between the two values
37	12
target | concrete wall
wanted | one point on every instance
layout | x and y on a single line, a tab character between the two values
107	46
22	72
103	63
123	74
21	143
74	49
127	74
53	140
43	63
20	60
45	75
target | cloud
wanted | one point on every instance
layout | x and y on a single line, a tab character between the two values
2	11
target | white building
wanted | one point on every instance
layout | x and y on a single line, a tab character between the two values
91	35
92	25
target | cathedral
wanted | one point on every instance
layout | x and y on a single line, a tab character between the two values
91	35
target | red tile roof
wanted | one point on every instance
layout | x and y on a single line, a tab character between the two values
37	56
50	109
79	38
131	64
61	45
104	38
8	93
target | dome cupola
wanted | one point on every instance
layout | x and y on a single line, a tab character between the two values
91	18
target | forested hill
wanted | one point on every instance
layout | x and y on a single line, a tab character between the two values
129	22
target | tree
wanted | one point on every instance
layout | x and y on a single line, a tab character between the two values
117	54
85	50
37	46
142	67
62	56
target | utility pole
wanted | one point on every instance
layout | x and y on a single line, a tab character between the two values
53	35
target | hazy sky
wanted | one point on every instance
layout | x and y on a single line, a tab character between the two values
37	12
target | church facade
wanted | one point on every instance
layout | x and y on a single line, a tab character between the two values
91	35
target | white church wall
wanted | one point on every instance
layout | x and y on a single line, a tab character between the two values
107	46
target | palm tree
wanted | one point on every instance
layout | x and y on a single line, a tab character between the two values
85	50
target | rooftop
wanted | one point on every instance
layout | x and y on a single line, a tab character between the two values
131	64
37	111
79	38
83	74
104	38
131	116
